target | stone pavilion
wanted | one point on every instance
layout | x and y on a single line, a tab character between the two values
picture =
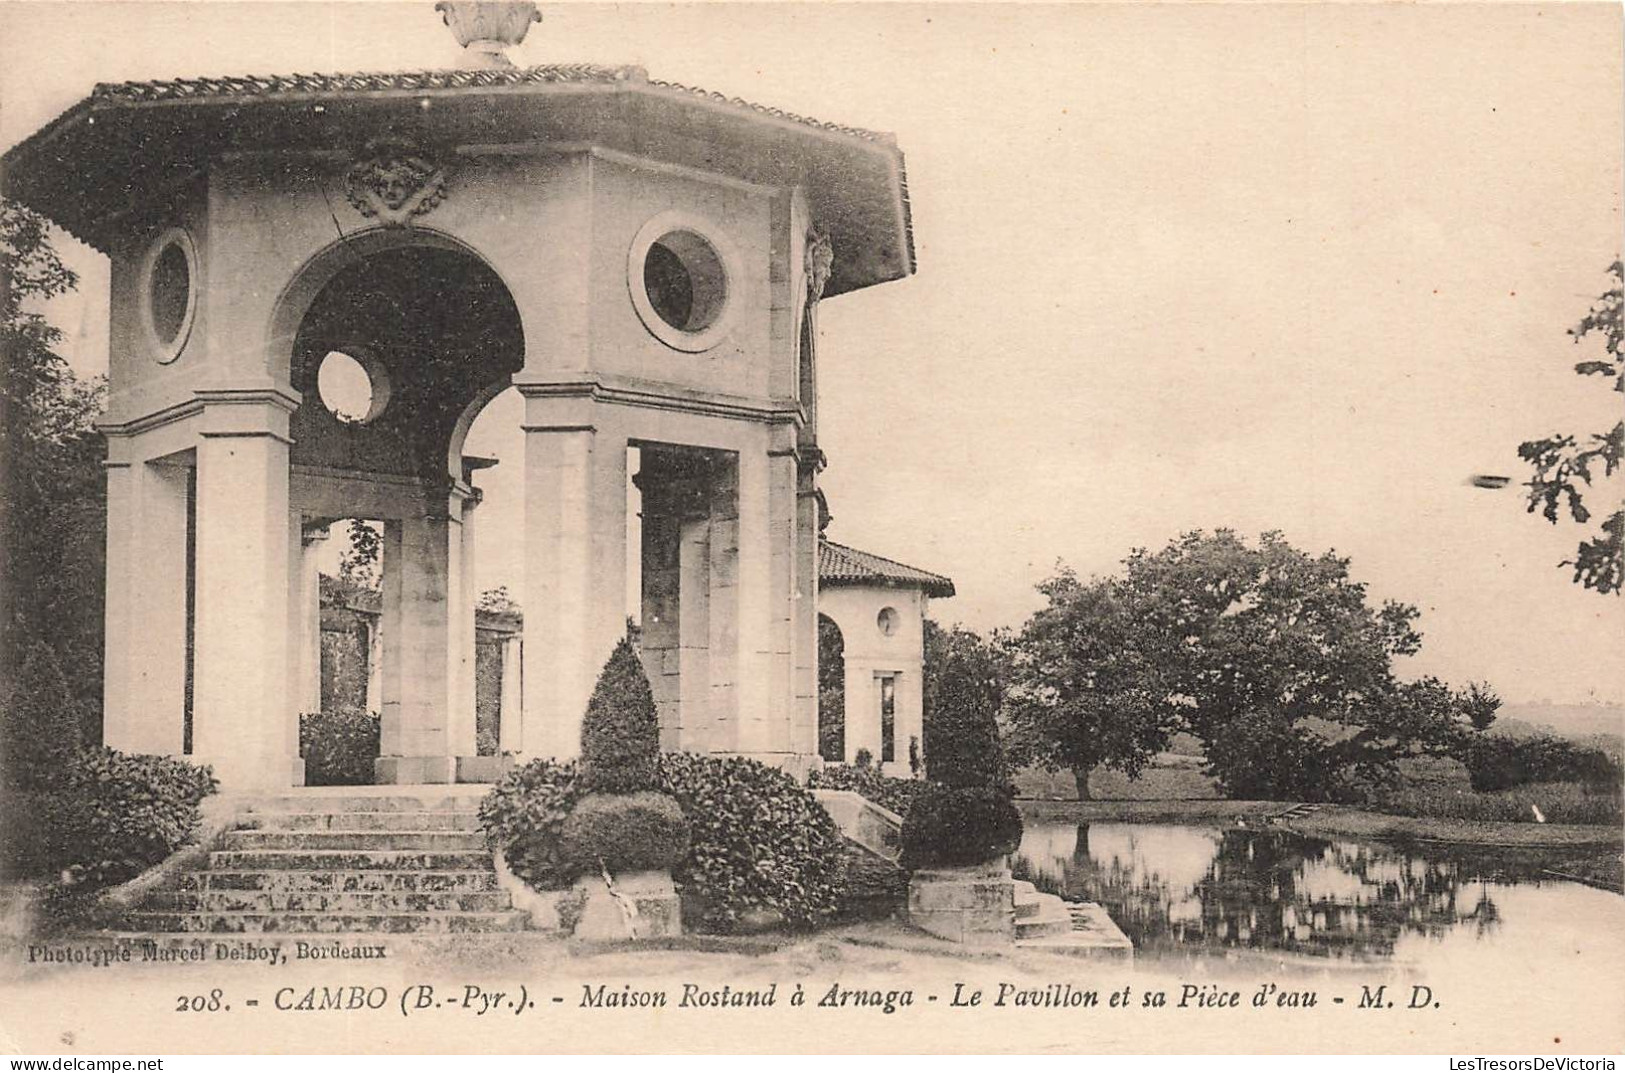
641	260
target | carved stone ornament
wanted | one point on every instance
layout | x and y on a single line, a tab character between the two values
394	183
819	259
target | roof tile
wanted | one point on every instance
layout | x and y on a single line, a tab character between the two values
841	565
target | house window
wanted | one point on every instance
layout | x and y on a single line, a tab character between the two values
888	717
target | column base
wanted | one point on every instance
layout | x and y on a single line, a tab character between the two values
482	769
413	770
239	774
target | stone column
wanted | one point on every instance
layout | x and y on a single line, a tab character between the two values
145	683
862	709
661	598
782	604
804	614
510	718
421	578
694	632
241	703
910	719
307	623
462	722
375	663
759	727
723	643
575	572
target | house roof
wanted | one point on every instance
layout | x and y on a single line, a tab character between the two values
127	142
841	565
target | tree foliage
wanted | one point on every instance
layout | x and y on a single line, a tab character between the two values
1087	683
52	494
1566	464
1277	661
831	690
963	690
44	722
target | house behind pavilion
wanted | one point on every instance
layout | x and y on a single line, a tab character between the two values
875	606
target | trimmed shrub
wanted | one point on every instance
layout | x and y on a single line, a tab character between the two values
1496	762
620	733
760	846
522	817
118	814
954	826
624	833
339	746
963	692
884	790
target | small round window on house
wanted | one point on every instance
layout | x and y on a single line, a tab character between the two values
887	620
354	390
685	281
170	296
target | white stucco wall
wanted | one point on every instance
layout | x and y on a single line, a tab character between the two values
871	654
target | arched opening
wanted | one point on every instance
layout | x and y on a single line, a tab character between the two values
831	691
396	356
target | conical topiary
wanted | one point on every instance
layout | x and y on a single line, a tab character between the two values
620	733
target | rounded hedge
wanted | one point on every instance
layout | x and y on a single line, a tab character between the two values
522	816
951	827
339	746
620	732
761	848
117	814
624	833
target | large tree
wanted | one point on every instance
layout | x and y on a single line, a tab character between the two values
1279	663
1565	464
52	495
1087	685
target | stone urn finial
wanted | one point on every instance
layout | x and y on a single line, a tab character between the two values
486	27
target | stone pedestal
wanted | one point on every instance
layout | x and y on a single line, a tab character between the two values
643	905
974	905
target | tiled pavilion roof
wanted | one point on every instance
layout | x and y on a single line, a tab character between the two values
841	565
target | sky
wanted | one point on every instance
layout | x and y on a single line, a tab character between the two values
1180	266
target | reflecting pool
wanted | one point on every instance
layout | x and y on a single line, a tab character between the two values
1185	891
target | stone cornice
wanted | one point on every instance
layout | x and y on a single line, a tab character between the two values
646	395
283	398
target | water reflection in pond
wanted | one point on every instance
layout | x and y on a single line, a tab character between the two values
1184	891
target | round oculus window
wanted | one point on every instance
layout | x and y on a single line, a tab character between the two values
170	293
679	279
354	388
887	620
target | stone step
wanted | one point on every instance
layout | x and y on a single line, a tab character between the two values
348	860
1027	900
1092	934
1047	923
422	841
337	882
373	799
1046	914
306	923
407	820
218	900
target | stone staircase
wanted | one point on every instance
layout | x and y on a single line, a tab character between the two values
372	860
1049	923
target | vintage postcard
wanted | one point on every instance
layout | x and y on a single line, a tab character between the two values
811	528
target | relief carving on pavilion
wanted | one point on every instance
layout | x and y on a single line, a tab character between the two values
395	182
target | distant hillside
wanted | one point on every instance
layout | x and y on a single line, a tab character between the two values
1566	720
